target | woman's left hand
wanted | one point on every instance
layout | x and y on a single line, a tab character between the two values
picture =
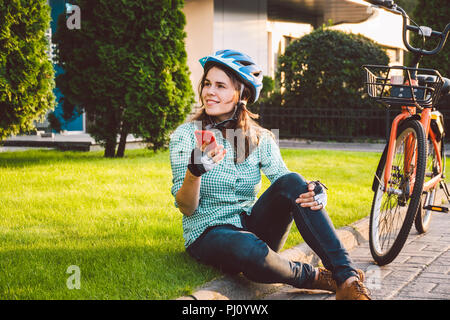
311	200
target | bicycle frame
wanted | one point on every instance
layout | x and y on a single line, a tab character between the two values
425	120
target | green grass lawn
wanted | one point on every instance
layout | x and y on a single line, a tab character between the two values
115	220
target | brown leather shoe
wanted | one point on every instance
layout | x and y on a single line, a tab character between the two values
355	291
325	280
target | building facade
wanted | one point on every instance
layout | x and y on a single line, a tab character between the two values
263	29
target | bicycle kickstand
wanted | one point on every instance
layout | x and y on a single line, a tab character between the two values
446	191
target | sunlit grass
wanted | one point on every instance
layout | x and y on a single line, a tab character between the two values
115	219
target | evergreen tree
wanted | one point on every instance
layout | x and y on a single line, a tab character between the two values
126	68
26	72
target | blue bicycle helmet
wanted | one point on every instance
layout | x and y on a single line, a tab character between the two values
242	65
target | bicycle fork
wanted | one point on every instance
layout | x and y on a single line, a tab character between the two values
409	152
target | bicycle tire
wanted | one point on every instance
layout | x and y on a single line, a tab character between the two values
423	217
406	203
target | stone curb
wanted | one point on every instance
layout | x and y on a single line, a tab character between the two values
239	288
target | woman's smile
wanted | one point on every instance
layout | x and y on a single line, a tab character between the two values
211	102
219	95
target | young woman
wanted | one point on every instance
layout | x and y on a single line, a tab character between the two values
224	224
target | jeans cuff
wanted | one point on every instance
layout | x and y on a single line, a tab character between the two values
344	275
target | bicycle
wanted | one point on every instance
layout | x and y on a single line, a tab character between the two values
412	165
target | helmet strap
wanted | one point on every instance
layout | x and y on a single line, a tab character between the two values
241	103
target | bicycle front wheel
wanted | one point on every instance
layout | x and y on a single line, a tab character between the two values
394	206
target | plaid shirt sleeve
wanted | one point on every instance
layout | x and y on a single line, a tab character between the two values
272	163
180	147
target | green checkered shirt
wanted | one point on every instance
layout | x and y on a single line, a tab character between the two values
229	188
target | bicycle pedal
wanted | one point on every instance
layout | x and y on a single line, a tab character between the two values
436	208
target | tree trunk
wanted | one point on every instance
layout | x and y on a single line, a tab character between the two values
122	142
110	148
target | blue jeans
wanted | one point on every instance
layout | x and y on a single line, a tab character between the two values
253	249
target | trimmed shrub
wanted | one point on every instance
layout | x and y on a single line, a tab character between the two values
322	70
26	72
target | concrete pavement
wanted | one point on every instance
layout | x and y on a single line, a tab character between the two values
84	142
66	141
420	272
341	146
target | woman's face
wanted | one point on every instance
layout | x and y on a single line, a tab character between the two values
219	95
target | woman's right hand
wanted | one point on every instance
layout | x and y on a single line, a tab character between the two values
202	161
216	154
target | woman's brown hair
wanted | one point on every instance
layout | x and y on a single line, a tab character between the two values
250	131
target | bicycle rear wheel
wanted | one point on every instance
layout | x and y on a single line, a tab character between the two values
393	210
423	216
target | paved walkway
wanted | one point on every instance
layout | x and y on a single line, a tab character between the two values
84	142
67	141
421	270
342	146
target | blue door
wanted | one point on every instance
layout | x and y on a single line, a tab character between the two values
76	122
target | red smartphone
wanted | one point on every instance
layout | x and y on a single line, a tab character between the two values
206	136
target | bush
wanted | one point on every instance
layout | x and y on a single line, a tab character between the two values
26	73
268	87
126	67
323	70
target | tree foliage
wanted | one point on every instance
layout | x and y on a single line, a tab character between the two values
323	69
407	5
26	73
321	73
434	14
126	67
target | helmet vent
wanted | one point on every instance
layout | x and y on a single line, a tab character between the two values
245	63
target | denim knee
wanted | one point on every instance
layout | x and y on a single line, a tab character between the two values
292	184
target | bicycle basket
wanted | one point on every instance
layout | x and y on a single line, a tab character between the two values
392	85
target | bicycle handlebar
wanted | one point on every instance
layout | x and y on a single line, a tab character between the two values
383	3
389	5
